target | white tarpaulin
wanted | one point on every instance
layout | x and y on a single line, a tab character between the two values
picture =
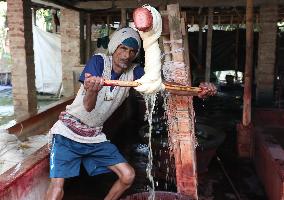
47	55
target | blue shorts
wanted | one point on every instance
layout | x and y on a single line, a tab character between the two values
67	155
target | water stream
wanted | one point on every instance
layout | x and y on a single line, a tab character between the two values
150	105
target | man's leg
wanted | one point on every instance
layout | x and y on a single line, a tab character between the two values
55	189
126	175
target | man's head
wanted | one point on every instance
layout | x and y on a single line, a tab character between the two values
124	45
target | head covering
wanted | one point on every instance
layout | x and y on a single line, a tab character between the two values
126	36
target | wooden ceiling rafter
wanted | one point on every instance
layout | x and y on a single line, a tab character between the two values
225	12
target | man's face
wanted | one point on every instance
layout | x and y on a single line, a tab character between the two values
123	57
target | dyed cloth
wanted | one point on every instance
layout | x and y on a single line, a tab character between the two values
77	126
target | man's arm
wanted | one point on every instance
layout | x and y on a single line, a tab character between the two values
92	85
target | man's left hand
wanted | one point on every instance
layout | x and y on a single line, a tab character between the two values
208	89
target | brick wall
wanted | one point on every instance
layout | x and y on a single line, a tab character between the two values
266	53
23	69
70	47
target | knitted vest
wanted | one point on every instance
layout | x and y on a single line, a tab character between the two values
107	101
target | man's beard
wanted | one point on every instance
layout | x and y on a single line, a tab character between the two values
124	64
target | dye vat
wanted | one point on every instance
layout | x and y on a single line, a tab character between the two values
159	195
208	138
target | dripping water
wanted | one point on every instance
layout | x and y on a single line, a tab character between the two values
150	100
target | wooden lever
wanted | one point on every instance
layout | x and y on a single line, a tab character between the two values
121	83
168	86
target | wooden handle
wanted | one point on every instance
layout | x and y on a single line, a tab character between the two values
121	83
181	88
168	86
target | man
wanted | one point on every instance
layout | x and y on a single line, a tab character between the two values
78	136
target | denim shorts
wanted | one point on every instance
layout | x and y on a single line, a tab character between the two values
67	155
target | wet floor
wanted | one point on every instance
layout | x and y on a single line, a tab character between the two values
225	178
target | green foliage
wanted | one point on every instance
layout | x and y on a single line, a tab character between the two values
47	16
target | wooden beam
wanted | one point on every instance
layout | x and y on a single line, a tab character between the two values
45	3
100	5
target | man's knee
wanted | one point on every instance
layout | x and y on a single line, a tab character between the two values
128	176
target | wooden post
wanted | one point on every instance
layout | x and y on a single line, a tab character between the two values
82	39
23	71
248	64
180	114
209	45
245	129
54	26
237	53
34	15
88	36
108	24
123	17
186	46
200	41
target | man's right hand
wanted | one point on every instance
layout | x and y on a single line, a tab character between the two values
93	83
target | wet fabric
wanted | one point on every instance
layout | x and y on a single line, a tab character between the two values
67	155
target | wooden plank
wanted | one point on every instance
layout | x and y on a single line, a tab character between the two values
41	122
